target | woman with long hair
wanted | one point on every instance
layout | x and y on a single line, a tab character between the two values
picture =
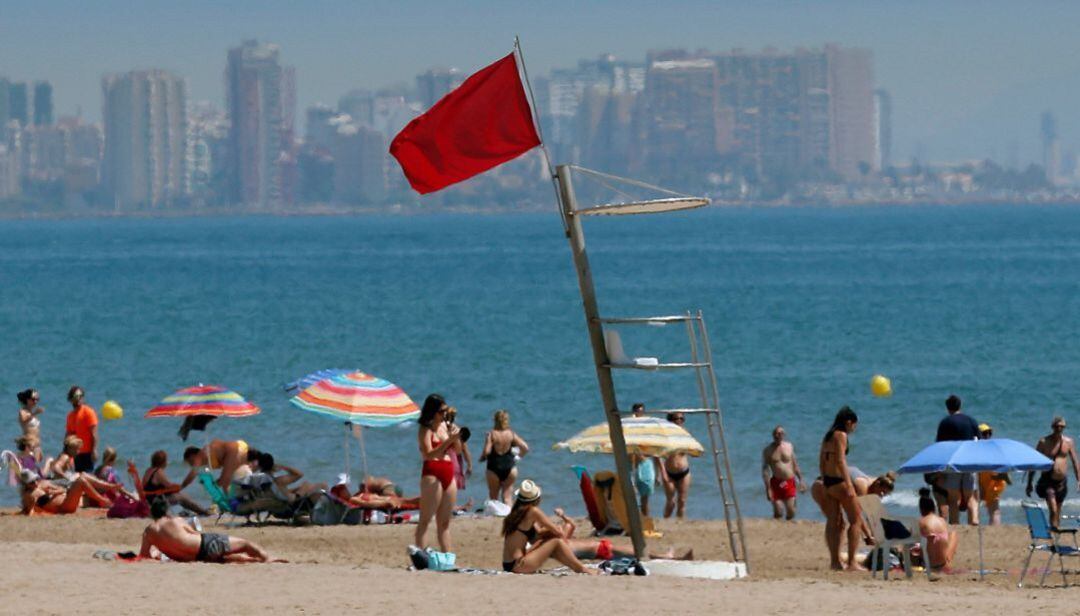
941	543
438	491
882	486
28	418
840	495
499	453
530	538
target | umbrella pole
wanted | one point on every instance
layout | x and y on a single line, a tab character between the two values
363	454
978	505
347	449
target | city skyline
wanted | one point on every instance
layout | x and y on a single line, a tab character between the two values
962	87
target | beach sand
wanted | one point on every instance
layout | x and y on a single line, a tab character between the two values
48	568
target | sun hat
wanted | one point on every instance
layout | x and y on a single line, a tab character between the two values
528	492
342	480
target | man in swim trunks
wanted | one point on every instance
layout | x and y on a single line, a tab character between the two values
229	456
181	542
781	474
1053	485
959	487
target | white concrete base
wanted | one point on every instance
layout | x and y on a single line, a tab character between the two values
704	569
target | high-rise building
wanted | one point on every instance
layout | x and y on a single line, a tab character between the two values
360	106
359	165
9	173
319	129
435	83
5	107
260	97
1051	148
43	103
851	110
686	129
883	123
18	102
145	161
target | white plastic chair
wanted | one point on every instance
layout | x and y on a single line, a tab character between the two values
873	511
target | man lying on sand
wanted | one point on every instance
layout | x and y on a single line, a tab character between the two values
179	541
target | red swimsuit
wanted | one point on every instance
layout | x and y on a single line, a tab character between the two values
443	470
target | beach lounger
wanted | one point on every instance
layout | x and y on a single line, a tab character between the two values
890	532
1045	539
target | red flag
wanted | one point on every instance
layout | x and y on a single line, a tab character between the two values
485	122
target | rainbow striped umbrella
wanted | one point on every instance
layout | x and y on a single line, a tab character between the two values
647	436
358	398
210	400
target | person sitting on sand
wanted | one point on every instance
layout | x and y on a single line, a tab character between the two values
106	472
179	541
607	548
63	467
28	459
157	483
941	543
289	475
229	456
50	497
781	474
530	538
840	495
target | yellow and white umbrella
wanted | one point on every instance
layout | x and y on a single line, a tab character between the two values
647	436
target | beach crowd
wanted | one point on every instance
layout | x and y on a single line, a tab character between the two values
84	475
841	487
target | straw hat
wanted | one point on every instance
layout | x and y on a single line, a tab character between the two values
528	492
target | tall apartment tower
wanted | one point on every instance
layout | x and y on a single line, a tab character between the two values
851	110
883	132
18	103
145	160
436	83
260	101
1051	152
43	104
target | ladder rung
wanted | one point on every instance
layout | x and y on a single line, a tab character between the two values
646	320
668	366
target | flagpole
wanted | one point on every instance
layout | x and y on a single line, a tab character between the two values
535	109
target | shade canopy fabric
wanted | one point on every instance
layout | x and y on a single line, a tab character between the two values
210	400
995	455
647	436
358	398
301	384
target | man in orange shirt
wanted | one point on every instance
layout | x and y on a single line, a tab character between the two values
82	421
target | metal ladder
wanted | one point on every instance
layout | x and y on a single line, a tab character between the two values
701	362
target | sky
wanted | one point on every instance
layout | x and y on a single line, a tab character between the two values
968	79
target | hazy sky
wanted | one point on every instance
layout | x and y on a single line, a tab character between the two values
967	78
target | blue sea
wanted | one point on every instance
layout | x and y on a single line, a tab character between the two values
803	305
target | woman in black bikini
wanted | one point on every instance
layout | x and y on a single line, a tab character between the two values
530	538
499	453
676	477
840	496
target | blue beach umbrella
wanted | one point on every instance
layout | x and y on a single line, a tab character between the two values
995	455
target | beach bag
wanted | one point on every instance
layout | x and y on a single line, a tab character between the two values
624	566
126	507
441	561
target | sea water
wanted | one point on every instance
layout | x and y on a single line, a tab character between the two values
803	306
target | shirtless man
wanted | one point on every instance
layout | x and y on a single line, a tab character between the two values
781	474
229	456
1053	485
676	476
180	542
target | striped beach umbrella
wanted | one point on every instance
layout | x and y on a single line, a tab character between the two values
207	400
358	398
647	436
300	385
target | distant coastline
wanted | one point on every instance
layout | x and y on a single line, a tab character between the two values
525	208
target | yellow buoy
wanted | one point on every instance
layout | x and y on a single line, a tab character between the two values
880	386
111	410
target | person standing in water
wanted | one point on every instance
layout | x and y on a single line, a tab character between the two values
646	470
677	473
82	422
499	453
1053	485
781	474
28	419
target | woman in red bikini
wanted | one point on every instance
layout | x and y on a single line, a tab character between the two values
438	492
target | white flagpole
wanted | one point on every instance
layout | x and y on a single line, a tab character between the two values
535	110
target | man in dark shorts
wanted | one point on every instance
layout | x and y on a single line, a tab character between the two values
82	422
181	542
1053	485
960	487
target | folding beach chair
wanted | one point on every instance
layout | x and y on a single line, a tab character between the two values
889	533
1045	539
217	496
